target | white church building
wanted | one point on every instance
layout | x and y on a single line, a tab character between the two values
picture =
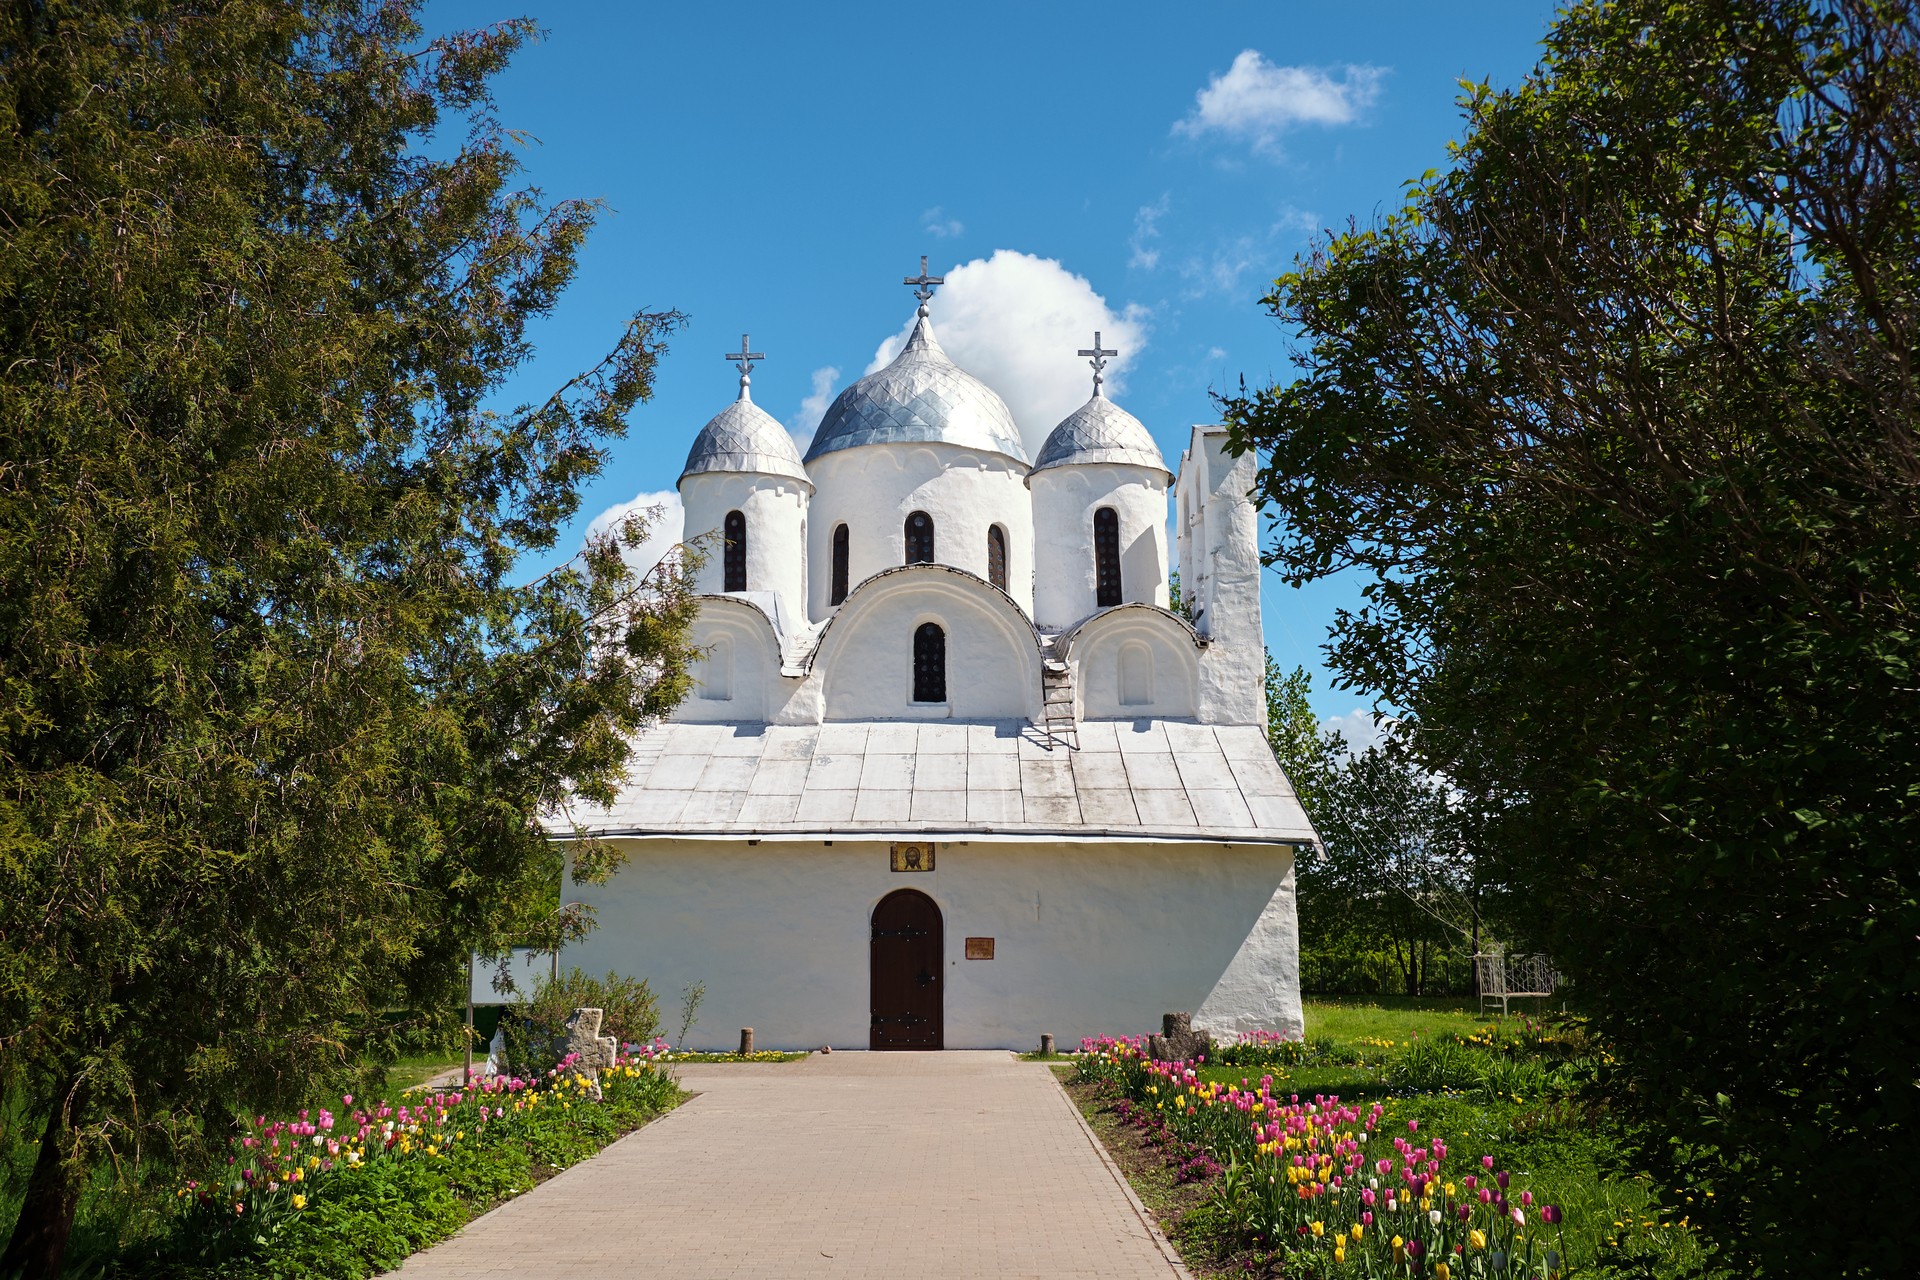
954	774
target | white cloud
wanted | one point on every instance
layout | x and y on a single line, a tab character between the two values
937	223
663	533
1296	220
1216	353
1256	101
807	421
1360	728
1015	321
1221	268
1146	228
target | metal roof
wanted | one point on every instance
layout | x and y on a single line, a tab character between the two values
1100	431
1139	779
745	437
922	397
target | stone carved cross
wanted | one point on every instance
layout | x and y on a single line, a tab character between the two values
923	284
593	1052
1099	360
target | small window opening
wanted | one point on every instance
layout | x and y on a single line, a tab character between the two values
736	552
1106	557
919	538
838	586
929	663
997	556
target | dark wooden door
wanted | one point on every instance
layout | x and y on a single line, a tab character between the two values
907	958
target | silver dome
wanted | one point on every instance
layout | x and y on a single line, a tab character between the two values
922	397
745	437
1100	431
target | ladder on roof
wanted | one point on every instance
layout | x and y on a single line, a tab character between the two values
1056	703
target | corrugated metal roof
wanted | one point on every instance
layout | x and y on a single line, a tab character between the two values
1141	779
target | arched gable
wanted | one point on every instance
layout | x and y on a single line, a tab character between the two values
1134	660
865	653
741	661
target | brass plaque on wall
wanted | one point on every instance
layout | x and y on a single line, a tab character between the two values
913	857
979	948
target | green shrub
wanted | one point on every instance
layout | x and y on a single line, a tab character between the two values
1503	1078
1438	1065
537	1026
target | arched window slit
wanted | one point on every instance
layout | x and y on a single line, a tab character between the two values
735	558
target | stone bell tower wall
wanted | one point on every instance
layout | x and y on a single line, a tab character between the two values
1219	543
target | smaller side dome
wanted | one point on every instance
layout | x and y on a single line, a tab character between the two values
1100	431
745	437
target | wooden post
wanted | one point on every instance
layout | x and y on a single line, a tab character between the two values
746	1041
1046	1045
467	1079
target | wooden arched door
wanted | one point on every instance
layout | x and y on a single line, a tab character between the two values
906	962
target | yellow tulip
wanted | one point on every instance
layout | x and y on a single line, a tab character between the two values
1477	1238
1320	1229
299	1202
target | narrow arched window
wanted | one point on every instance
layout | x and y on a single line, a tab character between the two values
997	556
1106	557
736	552
919	538
838	584
929	663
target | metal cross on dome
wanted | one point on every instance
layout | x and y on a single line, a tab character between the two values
1099	360
743	361
923	284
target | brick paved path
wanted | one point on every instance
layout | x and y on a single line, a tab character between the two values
854	1165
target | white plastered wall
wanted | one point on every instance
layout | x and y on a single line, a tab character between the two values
775	508
739	666
1089	938
1219	544
865	659
1064	501
873	488
1124	654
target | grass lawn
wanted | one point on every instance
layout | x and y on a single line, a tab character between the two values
1395	1018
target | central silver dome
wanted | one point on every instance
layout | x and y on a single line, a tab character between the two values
921	398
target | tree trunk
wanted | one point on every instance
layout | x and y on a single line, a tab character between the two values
46	1214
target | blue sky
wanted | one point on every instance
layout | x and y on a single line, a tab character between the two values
777	169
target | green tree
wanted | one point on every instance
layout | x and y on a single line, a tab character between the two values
1391	881
1619	413
279	711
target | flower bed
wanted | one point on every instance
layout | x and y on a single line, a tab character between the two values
347	1194
1320	1180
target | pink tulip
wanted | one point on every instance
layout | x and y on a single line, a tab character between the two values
1526	1198
1486	1162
